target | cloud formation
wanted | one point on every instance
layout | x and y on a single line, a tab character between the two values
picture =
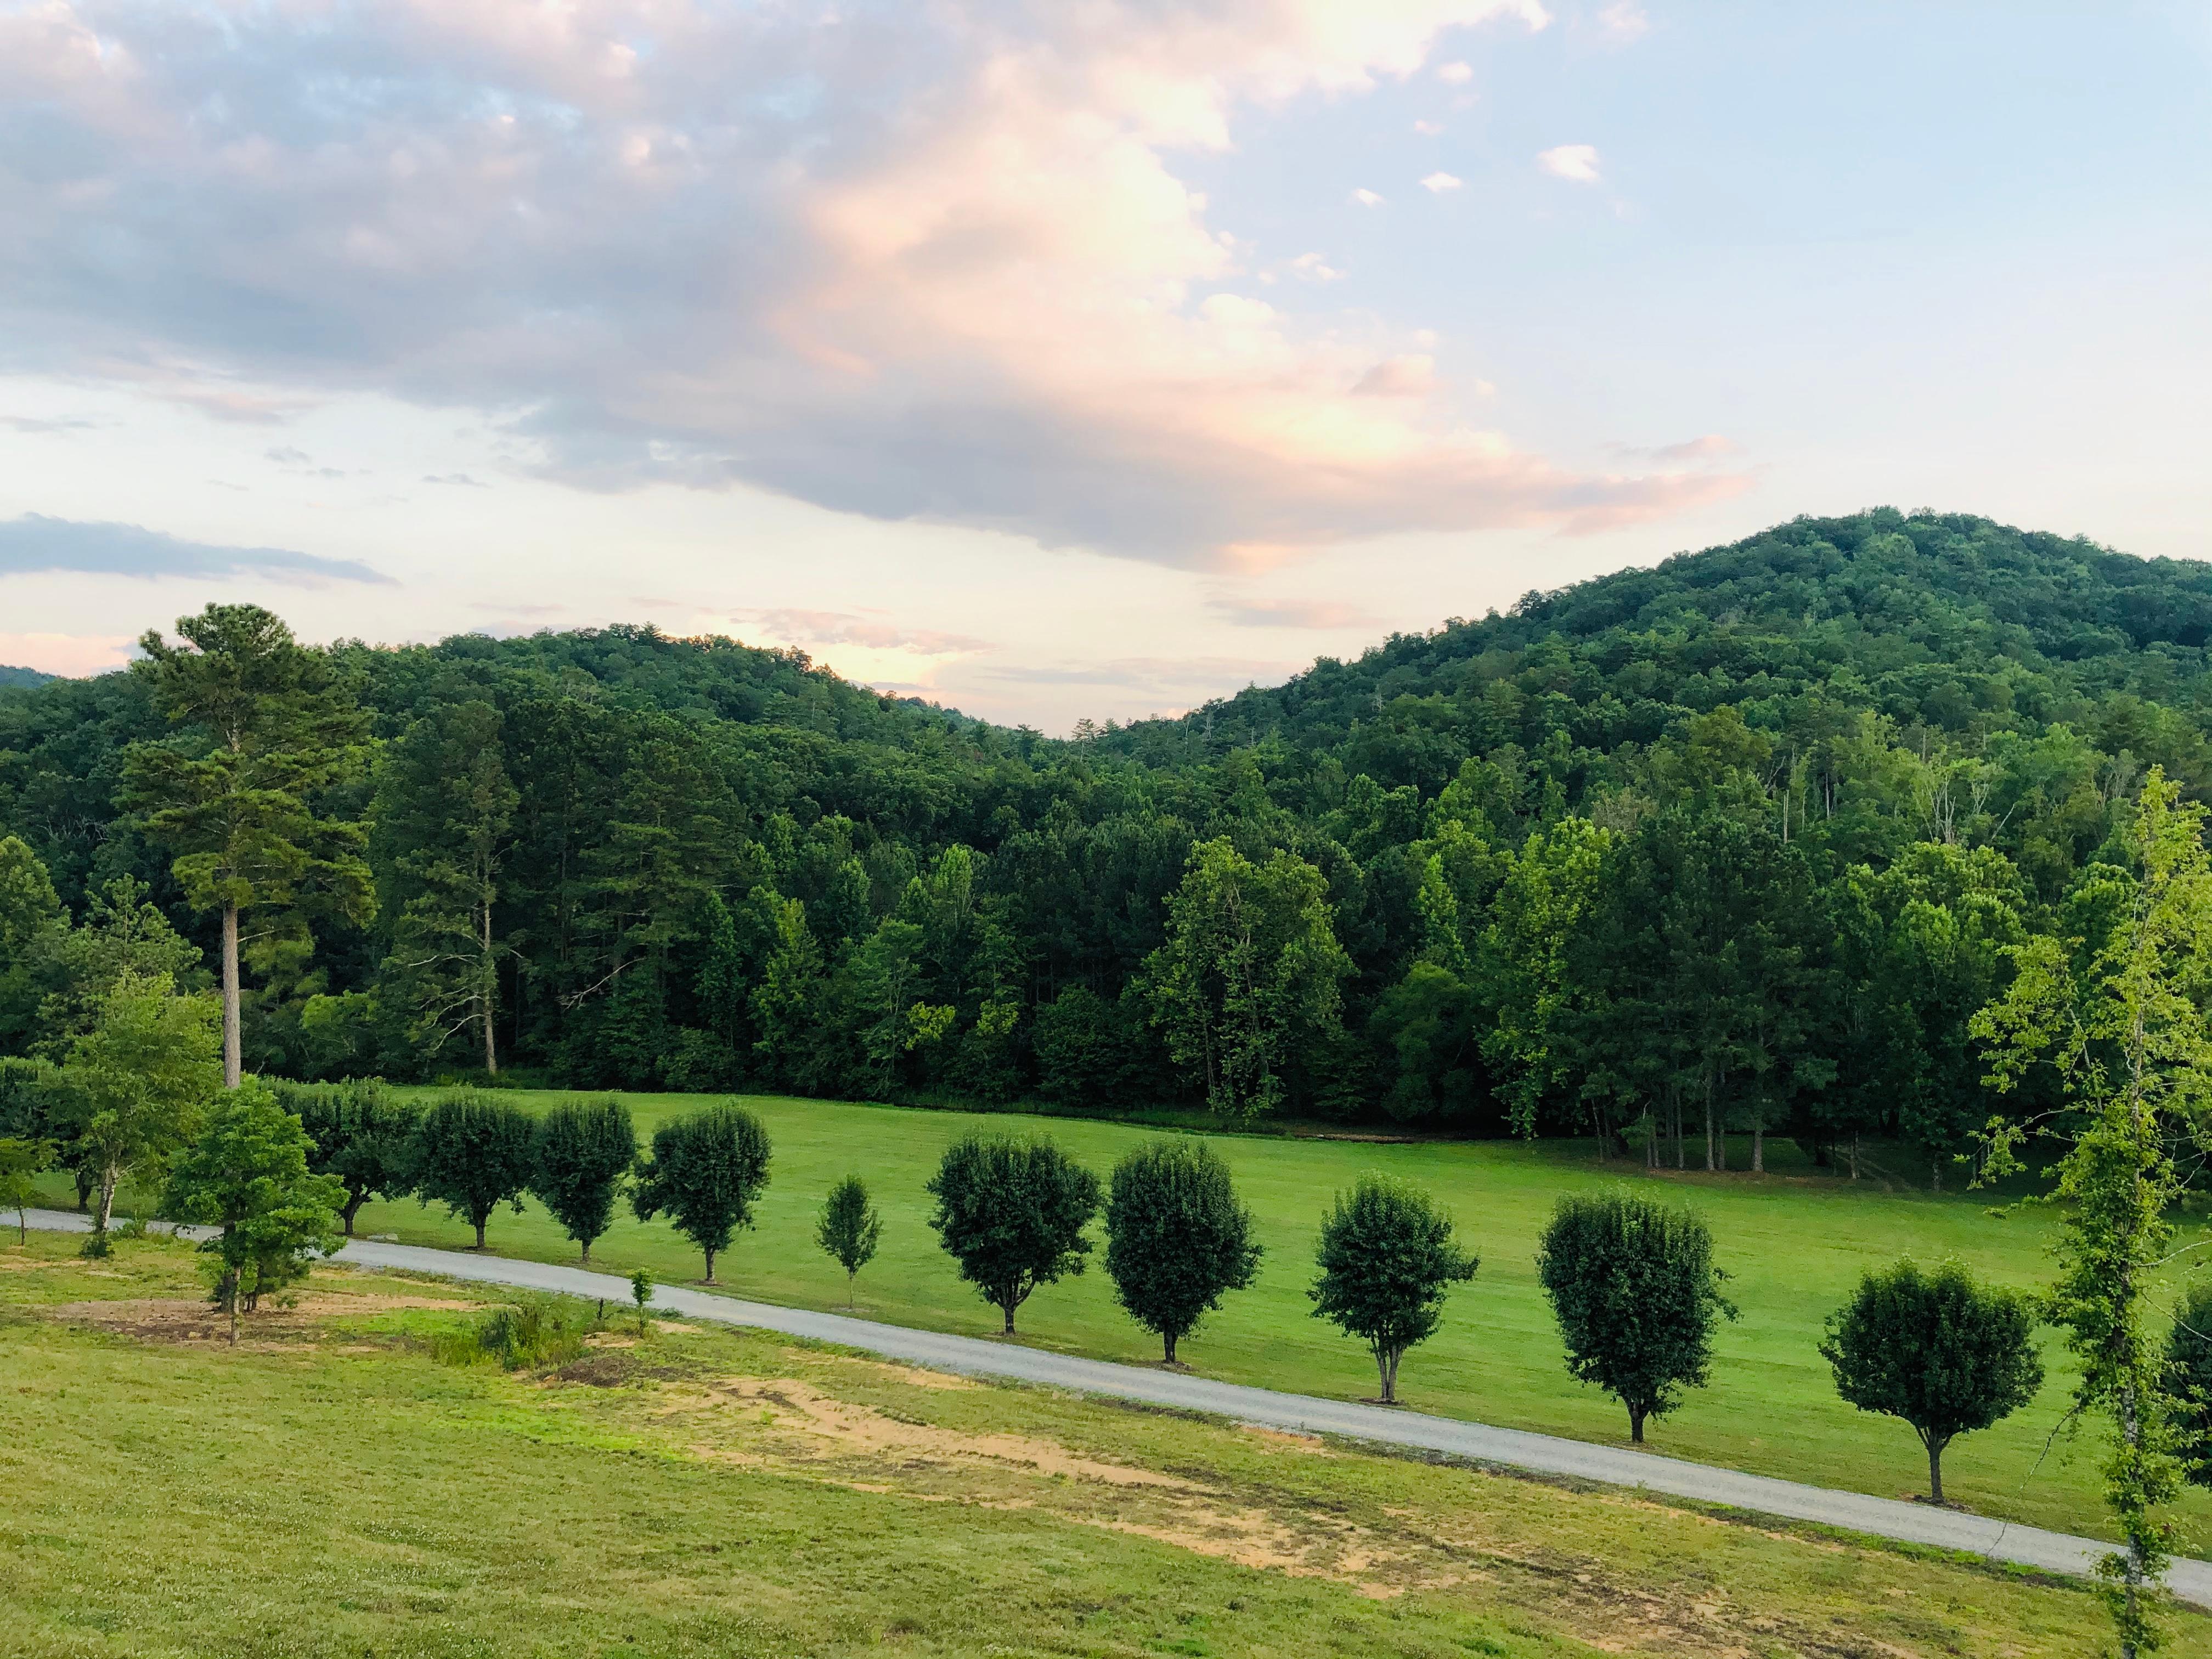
1576	162
34	543
917	263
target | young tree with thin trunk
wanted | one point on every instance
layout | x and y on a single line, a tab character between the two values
264	731
705	1171
849	1229
1011	1213
20	1161
1632	1283
1944	1352
246	1175
472	1154
1177	1239
2120	1020
359	1132
584	1153
1387	1258
135	1085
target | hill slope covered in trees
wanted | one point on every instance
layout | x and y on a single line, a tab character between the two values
1741	841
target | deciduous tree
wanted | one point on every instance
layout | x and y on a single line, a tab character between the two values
1945	1353
584	1153
849	1229
1387	1258
359	1133
1632	1283
705	1171
1011	1215
1177	1239
247	1174
473	1152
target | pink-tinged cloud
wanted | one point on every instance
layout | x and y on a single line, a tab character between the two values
1315	614
67	655
913	262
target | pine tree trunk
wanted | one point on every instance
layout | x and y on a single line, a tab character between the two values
1758	1149
1710	1164
232	1049
491	1052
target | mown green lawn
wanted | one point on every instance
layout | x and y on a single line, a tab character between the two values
328	1491
1793	1244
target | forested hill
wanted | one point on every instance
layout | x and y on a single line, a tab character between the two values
1943	623
1745	840
22	676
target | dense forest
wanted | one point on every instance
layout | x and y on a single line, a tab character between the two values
1742	843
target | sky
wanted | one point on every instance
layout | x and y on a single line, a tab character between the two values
1064	358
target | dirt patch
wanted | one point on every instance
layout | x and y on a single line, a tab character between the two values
175	1320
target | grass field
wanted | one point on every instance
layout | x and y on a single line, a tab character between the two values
1794	1245
327	1489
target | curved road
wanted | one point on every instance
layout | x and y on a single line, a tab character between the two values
1883	1518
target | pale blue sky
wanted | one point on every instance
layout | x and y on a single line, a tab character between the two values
1050	360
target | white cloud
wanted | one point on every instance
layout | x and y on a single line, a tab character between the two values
1315	269
1439	183
1428	129
1577	162
676	240
1366	198
1622	21
1457	75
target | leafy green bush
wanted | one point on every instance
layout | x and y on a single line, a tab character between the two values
533	1333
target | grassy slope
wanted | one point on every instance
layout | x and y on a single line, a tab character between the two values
1793	1245
327	1489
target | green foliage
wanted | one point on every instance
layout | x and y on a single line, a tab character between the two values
1177	1240
20	1161
135	1085
1387	1258
473	1152
584	1153
1012	1212
641	1292
247	1174
530	1334
1940	1350
2189	1382
2119	1020
1632	1283
1250	976
849	1229
705	1171
359	1133
271	732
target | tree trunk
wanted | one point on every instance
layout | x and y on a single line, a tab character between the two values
232	1050
233	1310
1007	1309
1636	1426
1386	1364
1934	1471
109	1178
83	1179
352	1209
852	1280
1167	1341
1758	1149
490	982
710	1267
1710	1164
480	1232
585	1259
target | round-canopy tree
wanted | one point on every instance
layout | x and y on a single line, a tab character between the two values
1011	1213
1947	1354
472	1154
2189	1356
1177	1239
359	1132
1637	1295
1387	1258
705	1170
246	1175
583	1153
